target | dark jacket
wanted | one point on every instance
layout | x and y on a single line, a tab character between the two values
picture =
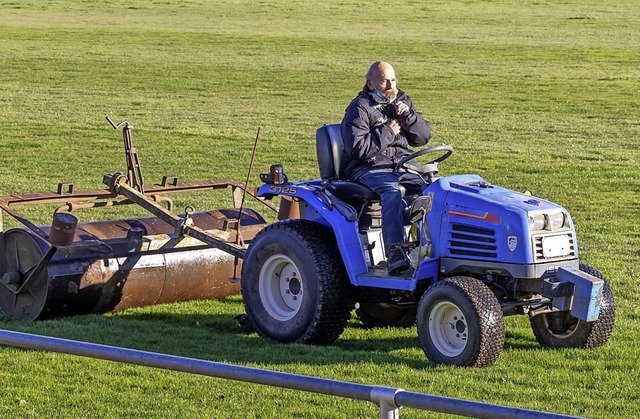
369	143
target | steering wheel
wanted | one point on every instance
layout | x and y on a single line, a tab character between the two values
430	169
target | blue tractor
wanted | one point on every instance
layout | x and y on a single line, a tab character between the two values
478	252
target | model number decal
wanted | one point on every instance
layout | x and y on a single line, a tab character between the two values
283	189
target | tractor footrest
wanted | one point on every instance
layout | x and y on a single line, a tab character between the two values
396	283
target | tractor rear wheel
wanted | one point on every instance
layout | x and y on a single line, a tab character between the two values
460	323
294	284
560	329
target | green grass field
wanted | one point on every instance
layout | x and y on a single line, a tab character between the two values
533	94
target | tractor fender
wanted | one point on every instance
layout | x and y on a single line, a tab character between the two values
317	204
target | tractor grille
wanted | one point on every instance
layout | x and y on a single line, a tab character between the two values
539	254
472	241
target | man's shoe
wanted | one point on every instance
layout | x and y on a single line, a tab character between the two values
396	262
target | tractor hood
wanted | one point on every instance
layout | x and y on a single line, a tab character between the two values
477	220
472	188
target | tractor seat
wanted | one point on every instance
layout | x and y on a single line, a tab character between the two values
330	149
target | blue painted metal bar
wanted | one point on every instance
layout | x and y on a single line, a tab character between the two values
386	397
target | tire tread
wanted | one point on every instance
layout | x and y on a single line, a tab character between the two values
335	303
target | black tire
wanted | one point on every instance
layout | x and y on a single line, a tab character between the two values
561	330
385	315
294	284
460	323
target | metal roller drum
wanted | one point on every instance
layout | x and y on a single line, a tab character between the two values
118	264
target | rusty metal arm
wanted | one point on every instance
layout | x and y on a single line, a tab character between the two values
24	221
118	184
93	195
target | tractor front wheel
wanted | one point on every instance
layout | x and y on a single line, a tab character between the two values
560	329
294	285
460	323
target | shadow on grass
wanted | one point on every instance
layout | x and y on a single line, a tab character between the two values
217	337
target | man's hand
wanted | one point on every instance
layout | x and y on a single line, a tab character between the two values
395	126
401	108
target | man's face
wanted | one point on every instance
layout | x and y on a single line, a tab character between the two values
384	81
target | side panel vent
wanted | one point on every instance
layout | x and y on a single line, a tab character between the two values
465	240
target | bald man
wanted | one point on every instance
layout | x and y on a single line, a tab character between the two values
378	127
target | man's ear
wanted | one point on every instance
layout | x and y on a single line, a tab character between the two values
369	84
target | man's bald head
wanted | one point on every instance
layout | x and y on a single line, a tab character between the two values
381	78
379	68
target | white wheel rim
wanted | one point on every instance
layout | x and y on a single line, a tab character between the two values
448	328
280	287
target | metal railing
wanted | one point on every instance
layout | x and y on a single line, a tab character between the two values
387	398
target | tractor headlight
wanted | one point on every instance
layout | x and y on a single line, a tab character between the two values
556	220
547	221
537	222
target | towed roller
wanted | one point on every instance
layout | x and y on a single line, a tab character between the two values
71	268
112	265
